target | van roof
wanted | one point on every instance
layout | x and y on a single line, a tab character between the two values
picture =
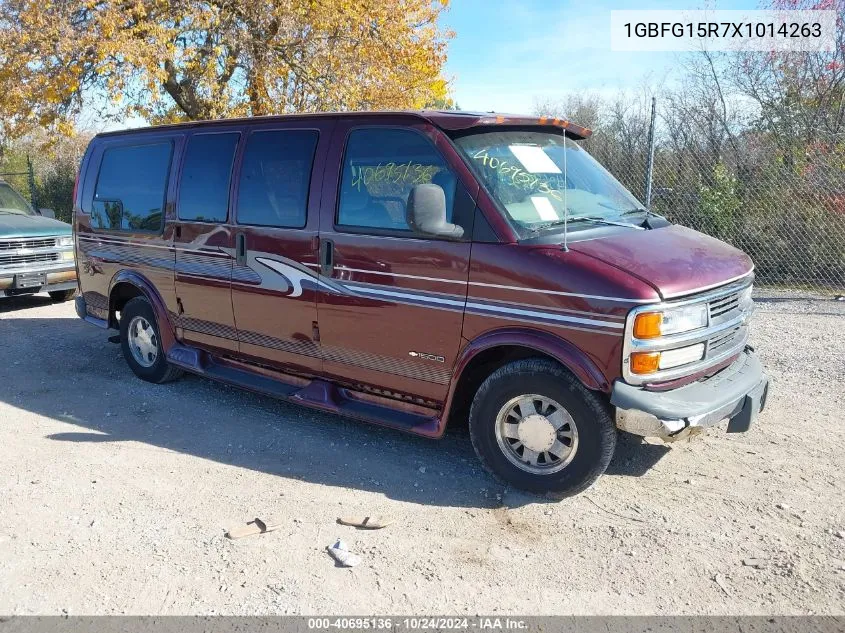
444	119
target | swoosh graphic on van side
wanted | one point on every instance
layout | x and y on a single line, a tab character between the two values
290	278
296	277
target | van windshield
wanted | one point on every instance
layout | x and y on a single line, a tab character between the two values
533	174
12	202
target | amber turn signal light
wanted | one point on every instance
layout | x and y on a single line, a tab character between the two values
647	325
645	362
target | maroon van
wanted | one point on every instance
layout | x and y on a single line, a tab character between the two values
416	268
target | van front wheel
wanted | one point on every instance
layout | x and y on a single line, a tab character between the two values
536	427
141	343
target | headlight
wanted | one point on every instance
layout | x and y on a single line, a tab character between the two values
67	256
66	240
671	321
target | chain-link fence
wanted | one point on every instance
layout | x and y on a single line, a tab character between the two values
784	206
22	179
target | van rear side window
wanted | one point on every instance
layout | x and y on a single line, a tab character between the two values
206	173
131	185
275	176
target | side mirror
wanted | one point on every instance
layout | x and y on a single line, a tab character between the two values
47	213
426	213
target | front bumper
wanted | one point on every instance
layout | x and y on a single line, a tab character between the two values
737	393
55	278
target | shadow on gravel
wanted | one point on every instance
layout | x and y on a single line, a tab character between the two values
65	369
11	304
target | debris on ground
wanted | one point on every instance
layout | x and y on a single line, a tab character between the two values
720	580
256	526
367	523
756	563
340	552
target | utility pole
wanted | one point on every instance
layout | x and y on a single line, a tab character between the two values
649	170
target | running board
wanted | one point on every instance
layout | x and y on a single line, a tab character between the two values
315	393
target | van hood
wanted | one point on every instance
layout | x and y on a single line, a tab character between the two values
674	260
18	225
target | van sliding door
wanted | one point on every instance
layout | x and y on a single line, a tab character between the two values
204	242
274	280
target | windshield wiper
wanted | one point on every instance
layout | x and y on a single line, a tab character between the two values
648	212
583	218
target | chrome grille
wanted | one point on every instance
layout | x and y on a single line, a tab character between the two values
14	245
32	258
726	340
725	335
724	308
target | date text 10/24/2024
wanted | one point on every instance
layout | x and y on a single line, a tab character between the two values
418	623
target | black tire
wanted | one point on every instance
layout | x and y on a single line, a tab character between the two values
160	371
60	296
595	427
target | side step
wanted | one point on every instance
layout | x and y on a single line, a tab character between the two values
318	394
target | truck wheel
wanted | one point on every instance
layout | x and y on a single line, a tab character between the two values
62	295
536	427
141	343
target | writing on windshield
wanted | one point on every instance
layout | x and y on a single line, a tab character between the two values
539	178
516	175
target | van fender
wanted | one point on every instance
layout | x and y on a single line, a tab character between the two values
560	349
166	331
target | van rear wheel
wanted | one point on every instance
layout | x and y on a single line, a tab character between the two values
536	427
141	343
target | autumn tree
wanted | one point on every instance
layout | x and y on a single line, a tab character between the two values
800	95
197	59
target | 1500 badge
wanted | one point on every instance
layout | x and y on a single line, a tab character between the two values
424	356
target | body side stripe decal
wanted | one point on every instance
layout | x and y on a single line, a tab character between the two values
400	275
563	294
489	309
485	309
297	276
486	285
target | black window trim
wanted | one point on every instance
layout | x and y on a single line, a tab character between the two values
257	129
135	141
376	231
229	200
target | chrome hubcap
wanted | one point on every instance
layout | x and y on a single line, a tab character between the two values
143	342
536	434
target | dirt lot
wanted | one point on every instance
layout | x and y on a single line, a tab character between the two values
115	495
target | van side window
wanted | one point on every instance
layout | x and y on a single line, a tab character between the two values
131	185
380	168
275	176
206	173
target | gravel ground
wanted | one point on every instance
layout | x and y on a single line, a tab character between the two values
116	494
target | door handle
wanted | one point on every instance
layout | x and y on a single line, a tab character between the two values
240	249
326	257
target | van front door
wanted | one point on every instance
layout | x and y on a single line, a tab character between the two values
391	311
274	278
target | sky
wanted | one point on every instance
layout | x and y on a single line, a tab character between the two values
506	53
